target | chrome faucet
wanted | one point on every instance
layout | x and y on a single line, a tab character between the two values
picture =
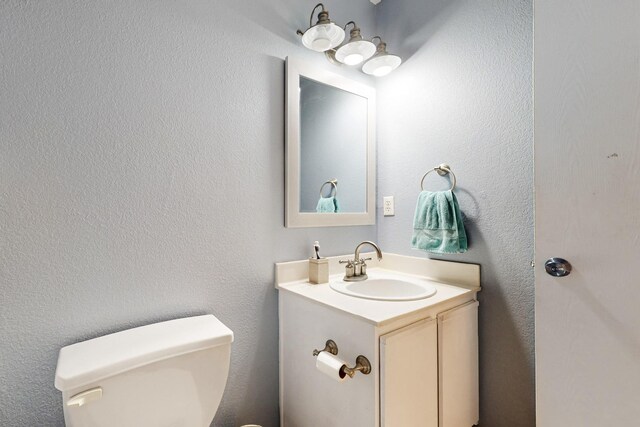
356	268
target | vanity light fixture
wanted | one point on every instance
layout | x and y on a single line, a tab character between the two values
382	63
356	50
324	35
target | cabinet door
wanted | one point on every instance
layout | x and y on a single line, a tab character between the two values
409	376
458	366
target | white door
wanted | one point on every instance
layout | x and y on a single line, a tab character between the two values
587	161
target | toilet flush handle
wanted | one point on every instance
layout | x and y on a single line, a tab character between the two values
85	397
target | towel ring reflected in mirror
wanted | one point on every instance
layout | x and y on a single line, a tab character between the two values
442	170
334	188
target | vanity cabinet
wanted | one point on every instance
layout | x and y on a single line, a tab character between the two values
424	362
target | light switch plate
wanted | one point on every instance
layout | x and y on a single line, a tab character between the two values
388	206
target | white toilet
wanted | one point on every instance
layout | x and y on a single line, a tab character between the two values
169	374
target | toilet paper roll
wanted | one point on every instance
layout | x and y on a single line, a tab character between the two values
330	365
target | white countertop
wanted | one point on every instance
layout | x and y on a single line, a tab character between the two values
373	311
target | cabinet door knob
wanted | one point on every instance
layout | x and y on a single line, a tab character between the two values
557	267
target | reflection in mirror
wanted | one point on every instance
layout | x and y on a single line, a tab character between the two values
330	149
333	147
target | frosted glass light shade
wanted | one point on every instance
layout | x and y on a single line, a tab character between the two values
381	65
353	53
322	37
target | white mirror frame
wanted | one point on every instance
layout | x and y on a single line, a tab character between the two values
293	217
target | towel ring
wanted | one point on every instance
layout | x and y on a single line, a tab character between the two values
334	184
442	170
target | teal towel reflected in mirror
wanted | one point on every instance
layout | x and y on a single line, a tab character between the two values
437	224
328	205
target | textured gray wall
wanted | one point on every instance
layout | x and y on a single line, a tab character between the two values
464	96
141	179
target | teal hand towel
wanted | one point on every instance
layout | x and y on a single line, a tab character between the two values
327	205
437	224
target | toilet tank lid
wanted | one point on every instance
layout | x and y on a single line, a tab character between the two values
88	361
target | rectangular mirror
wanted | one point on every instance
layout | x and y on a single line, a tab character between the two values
330	149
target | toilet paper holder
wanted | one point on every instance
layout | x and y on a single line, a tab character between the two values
362	363
329	346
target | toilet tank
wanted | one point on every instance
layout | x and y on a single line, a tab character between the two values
167	374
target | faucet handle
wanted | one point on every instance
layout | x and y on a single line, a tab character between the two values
349	269
363	261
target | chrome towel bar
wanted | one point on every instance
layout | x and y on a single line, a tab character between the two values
442	170
334	183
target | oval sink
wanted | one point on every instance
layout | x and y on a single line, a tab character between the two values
386	289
